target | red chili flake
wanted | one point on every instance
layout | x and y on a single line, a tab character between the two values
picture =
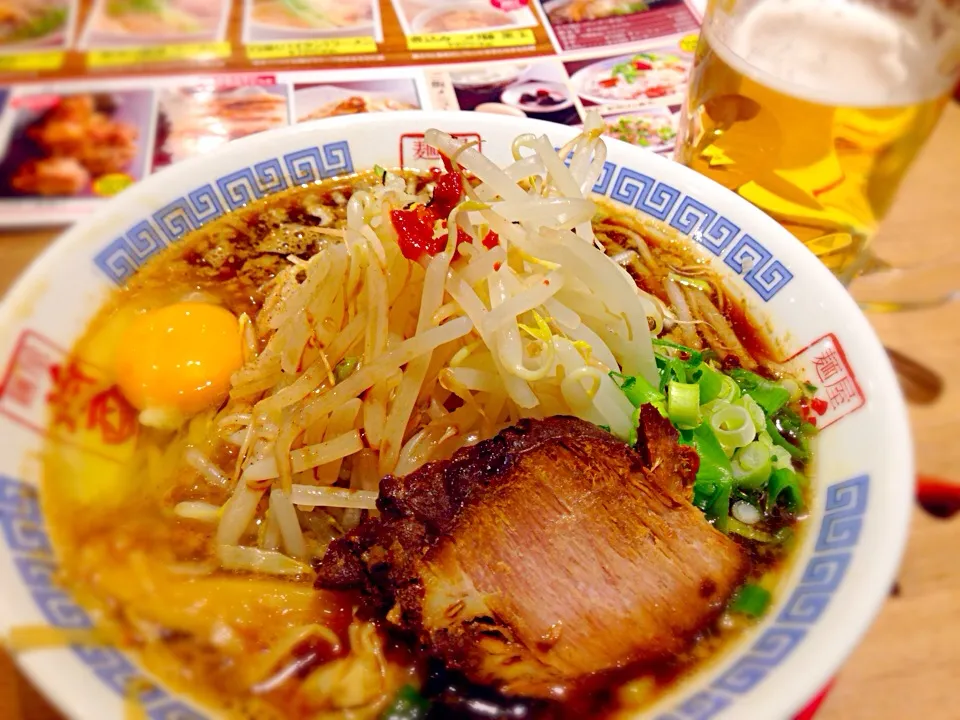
640	65
497	265
819	405
491	240
446	194
463	236
812	419
415	236
656	91
608	82
447	163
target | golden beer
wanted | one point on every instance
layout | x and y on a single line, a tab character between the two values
818	128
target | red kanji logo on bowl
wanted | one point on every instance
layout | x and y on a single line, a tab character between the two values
54	395
417	153
824	364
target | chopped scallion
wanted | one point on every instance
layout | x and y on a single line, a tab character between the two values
752	466
751	600
786	484
683	404
345	368
769	395
408	704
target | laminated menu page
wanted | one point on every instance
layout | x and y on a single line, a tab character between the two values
98	94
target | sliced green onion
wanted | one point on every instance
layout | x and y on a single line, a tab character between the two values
756	412
691	282
729	391
770	396
345	368
752	466
637	390
733	427
712	487
749	532
408	704
781	458
778	439
696	357
683	404
710	382
792	387
751	600
784	483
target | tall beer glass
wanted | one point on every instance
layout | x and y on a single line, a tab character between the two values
813	109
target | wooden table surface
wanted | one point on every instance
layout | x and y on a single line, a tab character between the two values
910	658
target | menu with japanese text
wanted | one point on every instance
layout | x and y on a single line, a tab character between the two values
97	94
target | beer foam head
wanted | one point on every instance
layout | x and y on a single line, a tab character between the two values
838	52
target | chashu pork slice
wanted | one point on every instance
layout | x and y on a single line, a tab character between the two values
543	555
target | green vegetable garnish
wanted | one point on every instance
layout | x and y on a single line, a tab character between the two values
786	483
710	382
751	600
345	368
639	392
749	532
683	404
770	396
407	705
711	489
752	466
778	439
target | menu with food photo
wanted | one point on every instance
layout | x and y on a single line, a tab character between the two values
538	89
419	17
580	24
28	25
288	20
657	76
79	145
654	128
142	23
314	101
194	120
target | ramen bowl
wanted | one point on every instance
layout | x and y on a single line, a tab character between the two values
845	559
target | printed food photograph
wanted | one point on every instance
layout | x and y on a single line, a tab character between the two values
569	11
33	22
656	76
459	16
288	19
66	148
313	102
141	22
195	120
537	89
582	24
654	128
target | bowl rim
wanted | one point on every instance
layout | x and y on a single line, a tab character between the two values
895	423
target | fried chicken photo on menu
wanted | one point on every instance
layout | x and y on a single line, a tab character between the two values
77	140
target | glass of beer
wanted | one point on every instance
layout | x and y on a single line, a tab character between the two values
813	109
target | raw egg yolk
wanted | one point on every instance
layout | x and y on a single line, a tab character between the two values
177	360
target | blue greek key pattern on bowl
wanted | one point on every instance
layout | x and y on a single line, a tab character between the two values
25	534
820	580
761	271
123	256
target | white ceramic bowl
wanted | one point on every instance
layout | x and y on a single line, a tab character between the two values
863	477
